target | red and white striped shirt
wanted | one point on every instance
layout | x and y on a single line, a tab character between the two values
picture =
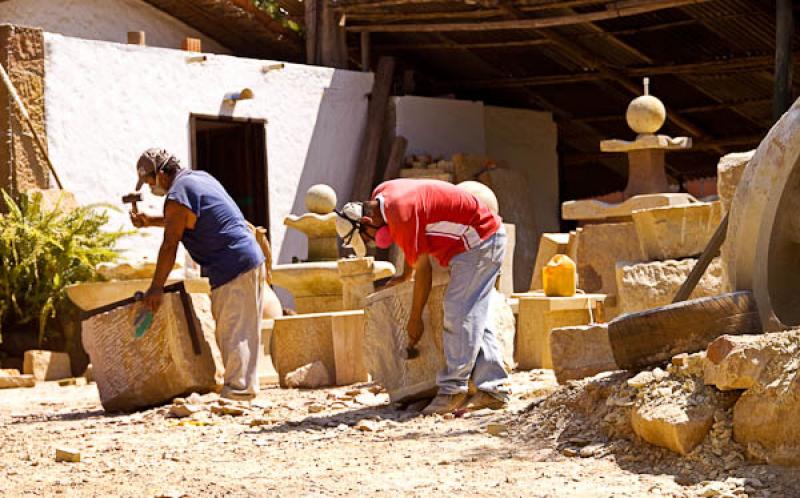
434	217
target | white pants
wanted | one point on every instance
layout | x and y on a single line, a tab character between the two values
237	308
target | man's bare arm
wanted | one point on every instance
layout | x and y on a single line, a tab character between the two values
423	280
176	219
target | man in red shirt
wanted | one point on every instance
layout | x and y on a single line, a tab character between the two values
430	217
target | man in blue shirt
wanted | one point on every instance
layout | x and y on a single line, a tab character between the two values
200	214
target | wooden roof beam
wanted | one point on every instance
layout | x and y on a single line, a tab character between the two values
613	10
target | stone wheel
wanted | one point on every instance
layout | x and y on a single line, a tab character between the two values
764	233
649	337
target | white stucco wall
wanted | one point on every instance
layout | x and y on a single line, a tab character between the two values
439	127
107	20
106	103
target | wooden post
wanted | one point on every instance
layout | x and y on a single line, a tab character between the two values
136	38
784	30
192	44
365	51
312	31
376	114
397	156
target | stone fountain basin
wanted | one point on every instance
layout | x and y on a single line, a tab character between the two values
319	278
91	295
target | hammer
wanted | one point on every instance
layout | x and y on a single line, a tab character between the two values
132	199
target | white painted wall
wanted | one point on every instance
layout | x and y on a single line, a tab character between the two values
107	20
105	103
439	127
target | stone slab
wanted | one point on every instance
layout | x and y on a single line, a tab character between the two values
539	315
138	372
505	282
426	174
646	141
592	210
598	249
582	351
644	286
386	339
729	172
677	428
347	332
743	361
46	365
10	380
300	340
677	231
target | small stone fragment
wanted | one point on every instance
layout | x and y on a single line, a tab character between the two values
309	376
497	429
315	408
47	365
367	426
11	381
64	454
184	410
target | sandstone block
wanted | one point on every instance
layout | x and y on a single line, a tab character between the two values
539	315
741	362
729	171
385	339
582	351
677	231
593	210
47	365
300	340
643	286
765	419
309	376
674	427
11	379
137	372
599	248
550	244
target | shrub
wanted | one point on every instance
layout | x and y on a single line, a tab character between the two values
42	251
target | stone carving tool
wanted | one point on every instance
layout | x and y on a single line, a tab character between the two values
132	199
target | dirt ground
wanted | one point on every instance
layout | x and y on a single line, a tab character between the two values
328	442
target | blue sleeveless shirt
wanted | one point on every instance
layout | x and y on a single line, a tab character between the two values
221	242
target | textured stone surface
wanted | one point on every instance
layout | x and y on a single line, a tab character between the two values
385	339
539	315
729	172
22	166
46	365
758	193
677	231
643	286
582	351
309	376
303	339
133	373
356	275
589	209
599	248
765	418
10	378
670	426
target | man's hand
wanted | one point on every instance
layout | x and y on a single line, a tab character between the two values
153	297
415	329
141	220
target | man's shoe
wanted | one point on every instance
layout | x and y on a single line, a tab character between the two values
445	403
482	400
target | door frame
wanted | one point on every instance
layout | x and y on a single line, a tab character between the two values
194	117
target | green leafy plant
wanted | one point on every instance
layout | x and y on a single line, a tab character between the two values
279	14
42	251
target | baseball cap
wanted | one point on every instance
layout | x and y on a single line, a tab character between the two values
348	227
150	162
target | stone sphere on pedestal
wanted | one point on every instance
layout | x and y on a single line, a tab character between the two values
321	199
646	114
483	193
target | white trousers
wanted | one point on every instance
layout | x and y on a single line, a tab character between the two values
237	308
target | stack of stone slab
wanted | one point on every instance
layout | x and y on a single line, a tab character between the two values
137	370
386	339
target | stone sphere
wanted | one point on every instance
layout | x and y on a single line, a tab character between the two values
483	193
321	199
646	114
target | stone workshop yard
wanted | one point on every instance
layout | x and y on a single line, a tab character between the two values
350	441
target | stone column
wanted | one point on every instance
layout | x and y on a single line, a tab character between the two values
356	275
22	165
